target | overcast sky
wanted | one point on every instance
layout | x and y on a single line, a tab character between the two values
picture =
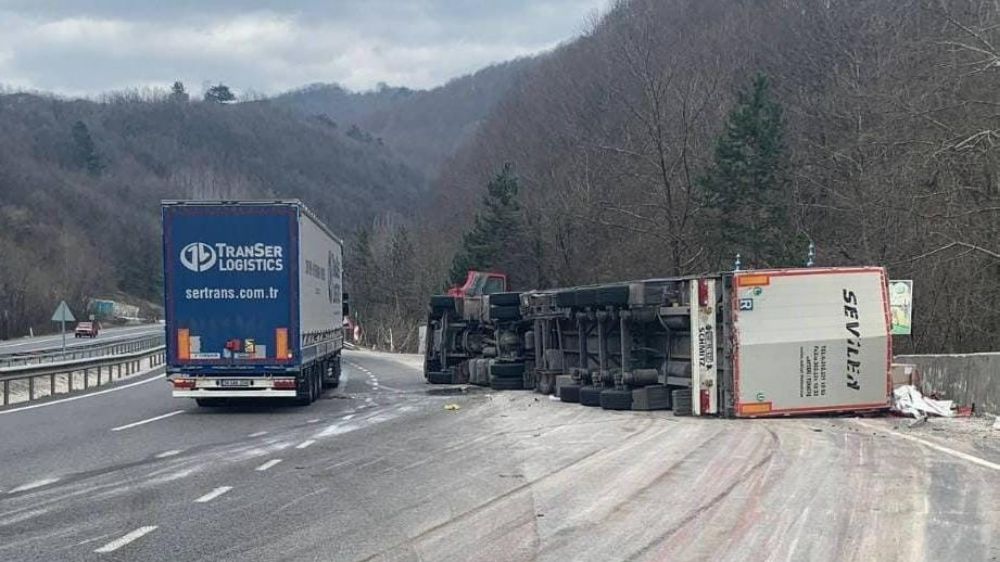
85	47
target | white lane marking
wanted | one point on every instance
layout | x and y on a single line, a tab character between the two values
348	416
156	377
314	420
213	494
118	543
33	485
169	453
150	420
305	444
257	434
958	454
267	465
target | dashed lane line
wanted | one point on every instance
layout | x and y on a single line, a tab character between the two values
118	543
150	420
267	465
213	494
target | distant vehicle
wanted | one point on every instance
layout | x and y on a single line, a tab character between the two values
87	330
254	301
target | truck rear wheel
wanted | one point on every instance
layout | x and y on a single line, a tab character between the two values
613	399
439	377
569	393
681	400
502	383
307	391
590	395
331	375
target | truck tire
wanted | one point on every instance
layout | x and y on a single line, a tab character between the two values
616	295
569	393
507	370
307	392
681	400
333	380
505	299
503	383
613	399
505	312
443	302
210	402
439	377
590	395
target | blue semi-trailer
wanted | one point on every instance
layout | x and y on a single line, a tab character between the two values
253	301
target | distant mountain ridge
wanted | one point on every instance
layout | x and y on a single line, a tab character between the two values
424	127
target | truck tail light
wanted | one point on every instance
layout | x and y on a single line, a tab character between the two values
705	401
234	346
702	293
283	384
183	383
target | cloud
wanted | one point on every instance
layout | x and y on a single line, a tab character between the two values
84	47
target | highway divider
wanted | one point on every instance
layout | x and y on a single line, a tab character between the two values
967	378
76	352
26	383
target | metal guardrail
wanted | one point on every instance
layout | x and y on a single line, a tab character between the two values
101	349
75	374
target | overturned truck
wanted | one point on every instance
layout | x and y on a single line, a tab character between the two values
735	344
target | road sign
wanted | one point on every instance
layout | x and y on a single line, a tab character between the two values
63	313
901	306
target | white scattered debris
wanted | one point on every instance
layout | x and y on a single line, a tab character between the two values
907	400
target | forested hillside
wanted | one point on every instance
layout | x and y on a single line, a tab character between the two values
81	182
425	127
869	128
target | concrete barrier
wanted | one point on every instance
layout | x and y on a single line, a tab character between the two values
972	378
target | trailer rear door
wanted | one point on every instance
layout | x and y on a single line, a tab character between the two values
810	340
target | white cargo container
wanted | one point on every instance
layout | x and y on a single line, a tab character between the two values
793	341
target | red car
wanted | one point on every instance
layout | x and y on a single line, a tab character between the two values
87	330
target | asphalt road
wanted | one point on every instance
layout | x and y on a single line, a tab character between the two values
380	470
54	342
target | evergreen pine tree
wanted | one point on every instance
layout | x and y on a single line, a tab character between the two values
496	238
746	189
86	153
178	94
219	94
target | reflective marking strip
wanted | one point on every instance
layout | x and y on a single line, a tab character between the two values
170	453
305	444
281	343
183	343
213	494
118	543
258	434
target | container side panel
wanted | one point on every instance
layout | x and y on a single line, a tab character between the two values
320	261
230	290
811	342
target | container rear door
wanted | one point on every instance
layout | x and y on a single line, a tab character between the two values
810	340
230	296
